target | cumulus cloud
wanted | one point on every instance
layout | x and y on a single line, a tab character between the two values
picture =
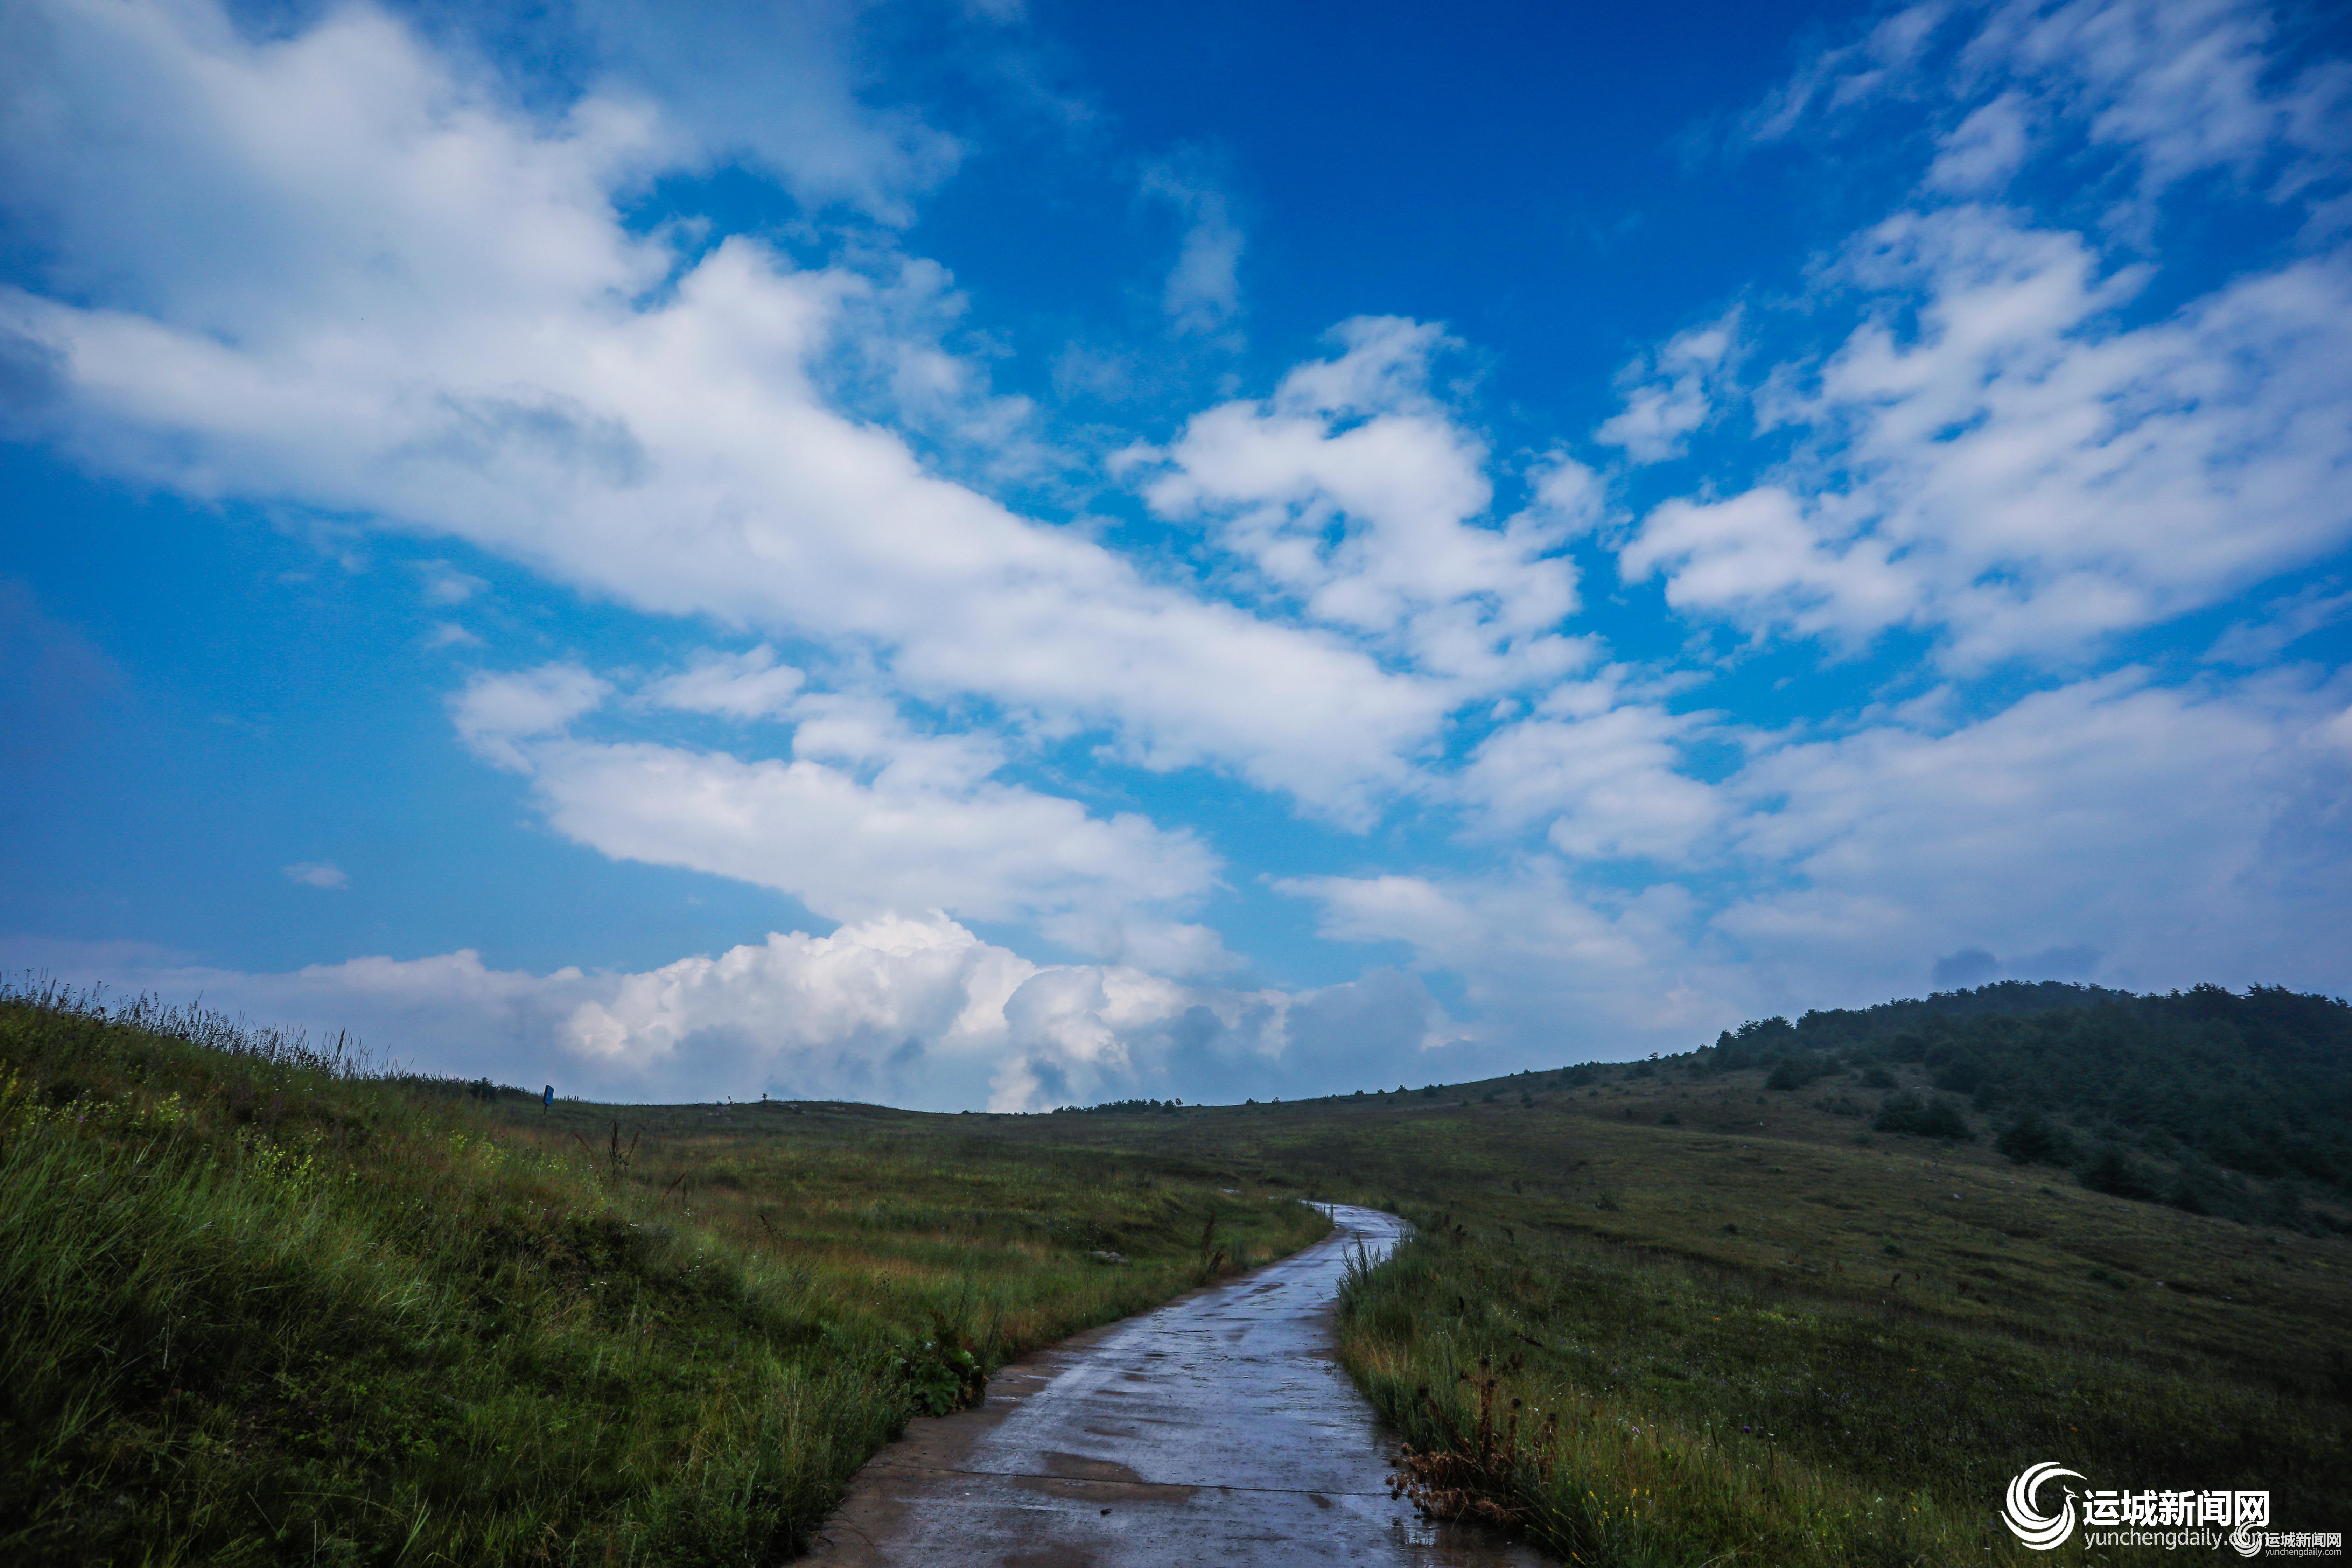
1668	394
1353	494
914	1012
2014	450
317	874
496	713
337	271
1606	775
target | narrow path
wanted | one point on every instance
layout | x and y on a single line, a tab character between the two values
1218	1430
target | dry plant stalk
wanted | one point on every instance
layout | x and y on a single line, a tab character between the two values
1477	1476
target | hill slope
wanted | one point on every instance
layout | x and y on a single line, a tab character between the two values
255	1310
2217	1088
1759	1303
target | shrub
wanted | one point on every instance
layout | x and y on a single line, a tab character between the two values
2113	1171
2034	1140
1796	1072
1961	1071
1923	1119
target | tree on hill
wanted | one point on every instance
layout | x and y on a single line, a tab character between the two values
2225	1085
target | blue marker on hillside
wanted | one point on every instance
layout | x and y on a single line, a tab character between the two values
547	1100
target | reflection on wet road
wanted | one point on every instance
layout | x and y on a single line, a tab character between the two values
1217	1430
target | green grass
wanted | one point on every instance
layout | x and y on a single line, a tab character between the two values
258	1309
1709	1310
263	1312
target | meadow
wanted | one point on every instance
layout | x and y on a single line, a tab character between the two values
273	1312
258	1308
1733	1327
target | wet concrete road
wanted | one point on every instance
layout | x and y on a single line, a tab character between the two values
1217	1430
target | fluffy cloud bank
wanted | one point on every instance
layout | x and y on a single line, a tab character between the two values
913	1012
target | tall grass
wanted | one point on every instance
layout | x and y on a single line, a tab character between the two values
267	1310
260	1308
1742	1336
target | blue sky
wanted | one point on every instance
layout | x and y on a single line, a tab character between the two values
1001	555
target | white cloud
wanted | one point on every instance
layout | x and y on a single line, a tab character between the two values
1134	938
1203	291
748	685
2000	454
2282	623
2179	86
495	713
2170	829
1603	774
355	281
870	818
2020	470
776	83
848	848
1879	62
2110	828
917	1012
1555	973
445	585
317	874
1670	394
1353	494
1985	149
335	270
2184	85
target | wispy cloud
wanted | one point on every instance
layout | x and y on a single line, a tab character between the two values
1204	292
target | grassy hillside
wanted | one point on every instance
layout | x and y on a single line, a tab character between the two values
1757	1336
255	1310
1741	1314
270	1313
